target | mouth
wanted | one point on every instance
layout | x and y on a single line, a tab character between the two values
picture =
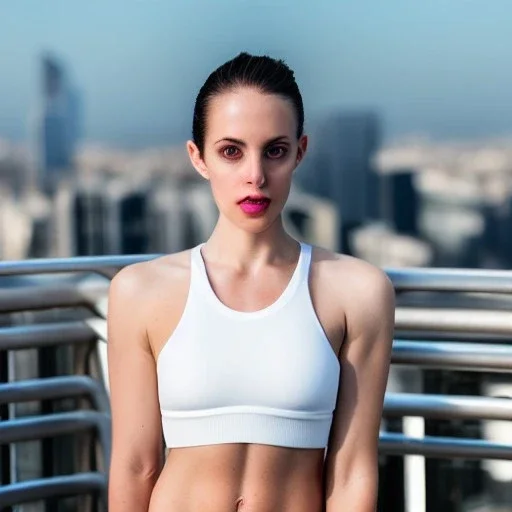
254	205
254	200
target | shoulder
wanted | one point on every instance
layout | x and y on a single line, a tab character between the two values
362	277
142	283
364	291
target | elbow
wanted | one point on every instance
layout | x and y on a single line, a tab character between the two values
130	487
134	470
356	491
136	476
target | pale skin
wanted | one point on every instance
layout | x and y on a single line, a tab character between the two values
249	262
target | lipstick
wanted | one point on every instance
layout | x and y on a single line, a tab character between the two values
254	205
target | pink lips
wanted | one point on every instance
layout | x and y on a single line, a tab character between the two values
254	205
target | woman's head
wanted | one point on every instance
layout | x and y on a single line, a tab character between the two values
248	137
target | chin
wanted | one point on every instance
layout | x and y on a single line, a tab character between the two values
257	225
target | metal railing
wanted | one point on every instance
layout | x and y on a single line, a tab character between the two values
446	320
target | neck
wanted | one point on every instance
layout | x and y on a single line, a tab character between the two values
241	249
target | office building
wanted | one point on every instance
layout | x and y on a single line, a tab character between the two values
58	125
340	169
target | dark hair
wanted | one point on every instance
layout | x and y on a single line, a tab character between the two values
268	75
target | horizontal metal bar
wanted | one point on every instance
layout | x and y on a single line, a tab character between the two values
459	320
76	264
41	297
55	388
53	425
425	279
458	280
440	335
447	406
58	486
43	335
453	355
391	443
457	300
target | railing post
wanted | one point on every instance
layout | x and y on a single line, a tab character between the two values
5	454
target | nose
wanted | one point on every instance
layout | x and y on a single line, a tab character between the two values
255	173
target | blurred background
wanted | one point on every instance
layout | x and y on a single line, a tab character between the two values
408	108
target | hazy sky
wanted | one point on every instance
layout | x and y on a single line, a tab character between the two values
441	67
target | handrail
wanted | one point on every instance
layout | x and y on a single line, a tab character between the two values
391	443
43	296
450	279
447	407
456	319
57	486
52	388
76	264
42	335
404	279
53	425
453	355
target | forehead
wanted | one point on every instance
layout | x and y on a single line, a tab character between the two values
250	115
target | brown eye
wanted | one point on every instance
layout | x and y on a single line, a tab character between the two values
276	152
231	152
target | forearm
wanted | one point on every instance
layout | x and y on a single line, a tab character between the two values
356	495
130	492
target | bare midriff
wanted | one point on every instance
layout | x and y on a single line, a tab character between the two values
240	478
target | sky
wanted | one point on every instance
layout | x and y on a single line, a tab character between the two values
439	67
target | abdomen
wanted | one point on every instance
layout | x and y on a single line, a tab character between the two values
258	478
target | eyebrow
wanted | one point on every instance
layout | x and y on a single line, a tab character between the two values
242	143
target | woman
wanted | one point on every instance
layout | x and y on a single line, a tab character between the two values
260	360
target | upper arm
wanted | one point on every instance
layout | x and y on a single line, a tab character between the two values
136	423
364	358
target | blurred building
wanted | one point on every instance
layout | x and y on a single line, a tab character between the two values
15	228
341	169
58	125
126	211
92	219
402	200
79	220
463	193
13	168
496	236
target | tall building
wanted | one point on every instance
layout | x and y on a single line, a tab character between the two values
59	125
80	220
127	218
404	201
340	169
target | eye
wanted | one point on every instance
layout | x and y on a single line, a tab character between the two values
277	152
230	152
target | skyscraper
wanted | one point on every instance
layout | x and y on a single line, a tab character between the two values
59	125
340	168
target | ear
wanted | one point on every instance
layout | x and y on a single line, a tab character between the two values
196	159
301	150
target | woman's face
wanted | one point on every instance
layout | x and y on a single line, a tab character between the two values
250	153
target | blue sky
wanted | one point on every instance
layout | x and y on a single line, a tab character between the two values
440	67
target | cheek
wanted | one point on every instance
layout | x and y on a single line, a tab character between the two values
281	180
223	185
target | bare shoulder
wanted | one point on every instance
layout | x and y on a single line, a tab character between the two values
140	287
362	277
365	291
145	278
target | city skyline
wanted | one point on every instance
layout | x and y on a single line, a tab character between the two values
438	69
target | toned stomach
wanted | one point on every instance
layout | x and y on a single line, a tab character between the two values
240	478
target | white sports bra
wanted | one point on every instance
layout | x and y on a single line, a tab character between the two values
266	377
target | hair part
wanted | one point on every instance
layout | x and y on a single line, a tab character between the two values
268	75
